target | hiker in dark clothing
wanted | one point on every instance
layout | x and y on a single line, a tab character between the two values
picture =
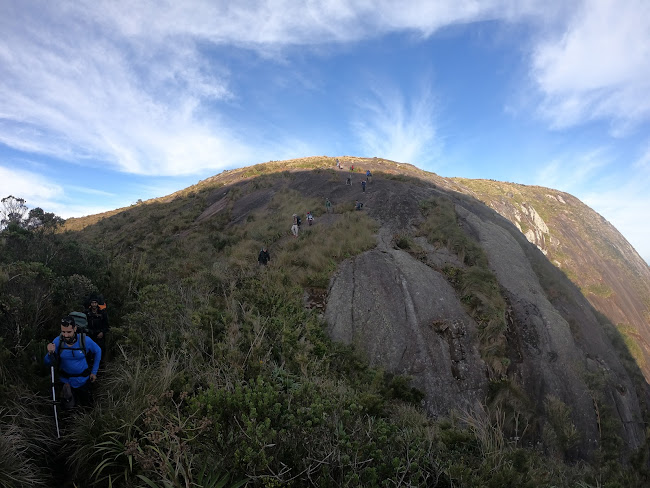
264	257
97	322
358	205
70	350
363	185
328	205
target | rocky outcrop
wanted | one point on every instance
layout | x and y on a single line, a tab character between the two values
553	360
597	258
405	317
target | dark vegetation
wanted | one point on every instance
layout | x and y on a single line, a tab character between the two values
217	372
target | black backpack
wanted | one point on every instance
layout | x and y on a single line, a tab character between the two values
298	221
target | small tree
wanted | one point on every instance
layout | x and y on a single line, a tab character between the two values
12	212
43	221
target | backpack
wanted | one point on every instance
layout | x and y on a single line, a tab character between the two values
80	321
298	221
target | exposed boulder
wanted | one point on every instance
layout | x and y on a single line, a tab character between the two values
408	320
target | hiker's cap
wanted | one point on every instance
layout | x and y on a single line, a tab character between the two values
67	320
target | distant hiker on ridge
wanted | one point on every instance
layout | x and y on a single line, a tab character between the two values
264	256
368	176
328	205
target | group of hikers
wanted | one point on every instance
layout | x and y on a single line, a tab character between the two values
348	180
297	221
264	257
77	353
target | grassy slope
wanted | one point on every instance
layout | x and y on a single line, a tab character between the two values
618	286
220	362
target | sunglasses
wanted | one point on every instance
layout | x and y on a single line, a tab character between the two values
67	322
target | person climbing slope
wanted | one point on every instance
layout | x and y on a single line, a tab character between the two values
264	256
97	322
70	350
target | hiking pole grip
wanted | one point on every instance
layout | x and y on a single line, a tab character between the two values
56	417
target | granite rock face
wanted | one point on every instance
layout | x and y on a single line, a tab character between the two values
406	318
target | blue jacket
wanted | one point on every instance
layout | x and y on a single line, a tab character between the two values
72	360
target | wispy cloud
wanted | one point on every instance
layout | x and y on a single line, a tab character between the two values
597	66
391	125
626	206
34	188
571	172
128	83
40	191
136	85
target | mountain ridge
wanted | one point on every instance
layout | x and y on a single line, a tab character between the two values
451	293
528	208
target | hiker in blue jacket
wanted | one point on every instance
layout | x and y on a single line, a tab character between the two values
70	350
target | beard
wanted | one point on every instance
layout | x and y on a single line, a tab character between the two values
70	340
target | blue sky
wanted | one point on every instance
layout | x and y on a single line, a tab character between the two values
107	102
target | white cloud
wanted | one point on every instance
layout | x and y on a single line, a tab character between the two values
572	172
133	83
598	67
40	191
394	127
72	90
37	190
127	82
626	207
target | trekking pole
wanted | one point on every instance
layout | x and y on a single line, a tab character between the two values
56	417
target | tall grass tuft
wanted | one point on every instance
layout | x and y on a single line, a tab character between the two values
26	440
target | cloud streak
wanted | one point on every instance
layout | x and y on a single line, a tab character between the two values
392	126
137	86
597	67
126	84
